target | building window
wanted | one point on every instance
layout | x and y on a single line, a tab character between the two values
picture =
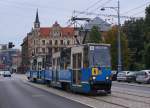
68	33
56	49
37	50
68	42
50	42
43	50
43	42
61	42
34	42
56	42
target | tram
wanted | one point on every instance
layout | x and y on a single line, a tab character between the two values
82	68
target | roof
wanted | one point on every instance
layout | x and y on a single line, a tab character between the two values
67	31
37	18
100	23
45	31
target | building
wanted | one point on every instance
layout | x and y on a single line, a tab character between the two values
102	25
39	44
7	56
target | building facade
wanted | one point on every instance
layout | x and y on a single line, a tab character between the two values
39	44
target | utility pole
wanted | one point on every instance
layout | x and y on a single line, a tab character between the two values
119	67
119	40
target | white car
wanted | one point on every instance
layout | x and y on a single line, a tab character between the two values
1	73
122	76
7	74
143	76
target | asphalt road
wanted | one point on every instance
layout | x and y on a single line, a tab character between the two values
14	93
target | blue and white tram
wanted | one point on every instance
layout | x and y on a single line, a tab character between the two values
83	68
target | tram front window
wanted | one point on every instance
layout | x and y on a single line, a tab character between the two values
100	56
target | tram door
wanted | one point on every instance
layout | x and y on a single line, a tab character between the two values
77	63
56	65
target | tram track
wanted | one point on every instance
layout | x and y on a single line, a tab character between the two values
102	100
134	100
123	101
127	93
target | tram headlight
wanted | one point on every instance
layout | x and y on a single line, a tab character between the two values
107	78
94	77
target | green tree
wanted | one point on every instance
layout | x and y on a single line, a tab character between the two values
112	39
147	24
95	35
147	56
134	30
147	38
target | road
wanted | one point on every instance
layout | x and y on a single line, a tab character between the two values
132	86
14	93
18	92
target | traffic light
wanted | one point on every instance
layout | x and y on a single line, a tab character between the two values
10	45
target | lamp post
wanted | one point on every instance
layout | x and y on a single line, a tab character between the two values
119	67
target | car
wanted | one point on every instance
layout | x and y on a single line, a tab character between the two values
121	76
114	75
7	74
1	73
143	76
131	76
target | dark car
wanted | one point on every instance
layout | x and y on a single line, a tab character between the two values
114	75
131	76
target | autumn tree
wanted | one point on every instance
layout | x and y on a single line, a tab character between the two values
112	39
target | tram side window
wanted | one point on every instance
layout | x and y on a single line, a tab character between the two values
74	67
65	60
58	62
77	63
53	62
79	60
79	67
85	57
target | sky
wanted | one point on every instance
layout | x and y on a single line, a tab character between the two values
17	16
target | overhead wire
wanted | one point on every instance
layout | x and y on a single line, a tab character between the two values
137	13
102	5
136	8
93	5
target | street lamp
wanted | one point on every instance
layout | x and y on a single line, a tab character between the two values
119	68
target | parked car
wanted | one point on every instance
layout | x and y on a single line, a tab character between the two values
131	76
7	74
122	76
1	73
114	75
143	76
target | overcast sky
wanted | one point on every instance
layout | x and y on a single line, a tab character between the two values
17	16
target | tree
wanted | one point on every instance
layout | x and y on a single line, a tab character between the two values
147	24
112	39
95	35
147	17
147	38
134	30
147	56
